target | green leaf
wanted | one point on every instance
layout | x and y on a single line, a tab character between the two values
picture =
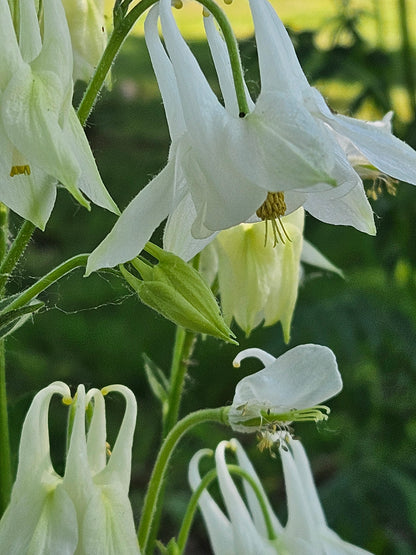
14	319
157	380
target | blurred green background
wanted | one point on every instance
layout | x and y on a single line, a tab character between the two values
94	331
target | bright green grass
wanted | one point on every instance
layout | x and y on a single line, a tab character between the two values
303	14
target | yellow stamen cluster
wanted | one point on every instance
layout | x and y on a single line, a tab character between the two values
382	184
272	209
19	170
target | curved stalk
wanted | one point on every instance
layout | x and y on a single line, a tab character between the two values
151	500
120	33
47	280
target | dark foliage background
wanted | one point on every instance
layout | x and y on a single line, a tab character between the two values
94	330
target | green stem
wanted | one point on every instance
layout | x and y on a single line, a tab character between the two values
157	478
113	46
15	252
120	33
5	462
203	485
47	280
184	345
4	230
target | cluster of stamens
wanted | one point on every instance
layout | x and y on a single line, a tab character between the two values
20	170
272	209
380	185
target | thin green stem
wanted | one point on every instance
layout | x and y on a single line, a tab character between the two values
184	345
157	478
113	46
203	485
47	280
5	462
4	230
15	252
122	30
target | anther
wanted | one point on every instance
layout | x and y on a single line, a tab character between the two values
272	209
241	115
20	170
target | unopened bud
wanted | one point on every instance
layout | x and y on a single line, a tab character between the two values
177	291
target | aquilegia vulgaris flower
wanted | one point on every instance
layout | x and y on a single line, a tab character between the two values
250	526
287	151
41	139
289	388
87	510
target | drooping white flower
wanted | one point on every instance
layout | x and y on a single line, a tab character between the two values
289	388
249	529
258	279
223	167
41	140
85	511
86	24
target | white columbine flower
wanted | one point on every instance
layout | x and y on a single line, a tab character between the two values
289	388
258	280
249	529
86	24
223	167
87	510
41	140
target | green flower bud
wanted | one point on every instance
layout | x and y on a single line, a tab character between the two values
177	291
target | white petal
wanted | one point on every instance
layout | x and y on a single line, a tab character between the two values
197	98
89	181
34	490
218	526
177	237
245	464
30	111
107	525
165	75
301	522
97	432
119	465
45	528
279	67
352	208
263	356
301	378
10	56
56	53
136	224
30	41
247	538
78	478
31	196
385	151
311	255
289	148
